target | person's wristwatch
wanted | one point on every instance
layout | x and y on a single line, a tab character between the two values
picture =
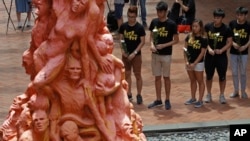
135	52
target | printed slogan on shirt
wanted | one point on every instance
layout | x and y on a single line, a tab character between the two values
130	35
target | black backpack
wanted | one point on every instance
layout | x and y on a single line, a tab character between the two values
111	20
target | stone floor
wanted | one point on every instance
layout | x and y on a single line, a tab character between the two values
13	79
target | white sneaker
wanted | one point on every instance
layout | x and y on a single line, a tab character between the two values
222	99
28	24
208	98
19	25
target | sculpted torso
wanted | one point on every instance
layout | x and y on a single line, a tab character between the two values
71	98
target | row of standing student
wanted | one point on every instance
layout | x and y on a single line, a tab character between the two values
185	8
206	49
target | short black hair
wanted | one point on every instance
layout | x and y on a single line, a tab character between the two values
219	13
241	10
162	6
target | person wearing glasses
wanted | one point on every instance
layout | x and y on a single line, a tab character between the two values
133	33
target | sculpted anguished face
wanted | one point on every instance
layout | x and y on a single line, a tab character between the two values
79	5
18	101
69	131
74	69
43	7
40	121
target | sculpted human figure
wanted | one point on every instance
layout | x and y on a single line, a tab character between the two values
95	18
9	128
40	127
70	132
43	24
137	124
77	100
106	83
63	34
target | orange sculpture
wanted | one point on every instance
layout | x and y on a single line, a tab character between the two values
77	90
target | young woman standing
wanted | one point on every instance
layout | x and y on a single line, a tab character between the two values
195	48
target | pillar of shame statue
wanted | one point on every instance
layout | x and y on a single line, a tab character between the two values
77	90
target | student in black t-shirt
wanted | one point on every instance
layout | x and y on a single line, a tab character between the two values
195	48
239	51
219	40
163	36
133	33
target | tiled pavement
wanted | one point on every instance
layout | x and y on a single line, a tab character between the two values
13	79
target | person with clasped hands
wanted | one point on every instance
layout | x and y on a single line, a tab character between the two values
162	43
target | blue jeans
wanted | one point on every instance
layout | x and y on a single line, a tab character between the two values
143	9
239	70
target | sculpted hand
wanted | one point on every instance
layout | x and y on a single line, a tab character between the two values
125	85
84	83
99	88
105	65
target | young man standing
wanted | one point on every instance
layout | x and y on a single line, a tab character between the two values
133	34
239	51
163	36
219	40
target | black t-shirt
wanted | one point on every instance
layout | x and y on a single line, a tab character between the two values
243	31
190	14
166	31
194	46
132	35
217	36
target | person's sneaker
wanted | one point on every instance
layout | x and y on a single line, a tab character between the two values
167	105
222	99
130	98
139	99
234	95
208	98
244	96
28	24
20	25
190	101
156	103
198	104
